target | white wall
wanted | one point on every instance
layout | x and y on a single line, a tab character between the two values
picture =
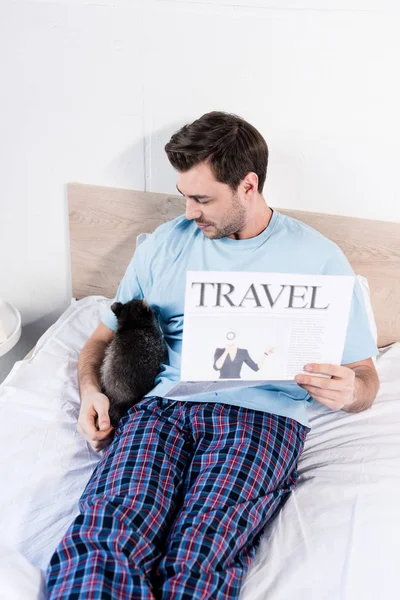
92	90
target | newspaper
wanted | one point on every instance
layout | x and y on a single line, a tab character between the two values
246	329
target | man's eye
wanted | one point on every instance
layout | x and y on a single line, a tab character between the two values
203	201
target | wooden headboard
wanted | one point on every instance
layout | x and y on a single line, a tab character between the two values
104	223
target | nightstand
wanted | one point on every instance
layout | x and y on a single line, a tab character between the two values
11	330
10	326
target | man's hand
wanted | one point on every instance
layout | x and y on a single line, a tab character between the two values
337	393
94	422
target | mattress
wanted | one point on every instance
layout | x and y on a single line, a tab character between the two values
336	538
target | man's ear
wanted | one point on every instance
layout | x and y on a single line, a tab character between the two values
116	308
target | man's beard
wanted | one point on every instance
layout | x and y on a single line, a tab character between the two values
232	223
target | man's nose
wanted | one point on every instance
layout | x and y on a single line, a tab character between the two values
192	210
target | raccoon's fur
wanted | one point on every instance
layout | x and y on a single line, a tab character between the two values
133	358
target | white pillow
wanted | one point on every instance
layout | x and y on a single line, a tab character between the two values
368	306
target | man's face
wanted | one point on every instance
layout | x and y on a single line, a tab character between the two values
211	204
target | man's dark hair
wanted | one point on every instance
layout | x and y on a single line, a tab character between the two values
227	142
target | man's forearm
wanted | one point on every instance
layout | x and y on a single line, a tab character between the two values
89	363
366	389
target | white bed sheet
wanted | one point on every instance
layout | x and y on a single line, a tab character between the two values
336	538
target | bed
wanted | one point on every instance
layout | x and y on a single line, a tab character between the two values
337	536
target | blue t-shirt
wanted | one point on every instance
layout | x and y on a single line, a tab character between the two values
157	272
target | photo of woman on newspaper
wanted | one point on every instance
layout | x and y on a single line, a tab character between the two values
229	360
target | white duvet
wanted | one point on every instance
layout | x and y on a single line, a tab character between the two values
336	538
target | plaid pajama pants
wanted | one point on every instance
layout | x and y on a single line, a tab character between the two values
177	505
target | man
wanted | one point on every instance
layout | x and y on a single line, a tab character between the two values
176	507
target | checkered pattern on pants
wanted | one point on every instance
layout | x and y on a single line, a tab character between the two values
176	507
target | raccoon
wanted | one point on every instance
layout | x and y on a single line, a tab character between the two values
133	358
